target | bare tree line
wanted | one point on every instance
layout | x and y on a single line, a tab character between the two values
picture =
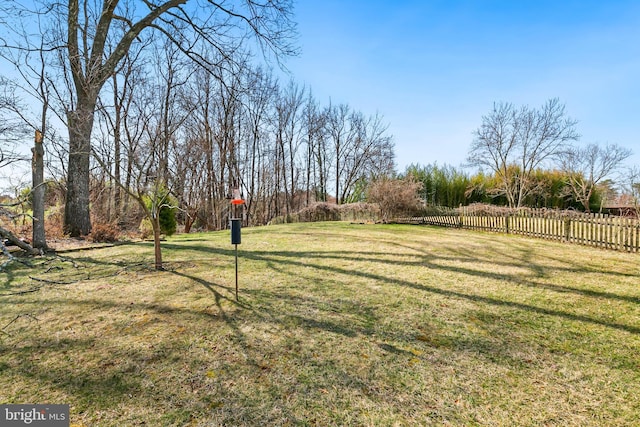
162	97
83	44
200	134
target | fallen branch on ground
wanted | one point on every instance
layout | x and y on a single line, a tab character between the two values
51	282
8	235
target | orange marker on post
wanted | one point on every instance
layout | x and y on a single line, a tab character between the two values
237	199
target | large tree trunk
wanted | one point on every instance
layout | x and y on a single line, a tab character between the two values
37	175
77	221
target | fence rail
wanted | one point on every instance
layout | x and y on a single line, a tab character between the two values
600	230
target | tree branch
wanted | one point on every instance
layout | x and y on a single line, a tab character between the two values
6	234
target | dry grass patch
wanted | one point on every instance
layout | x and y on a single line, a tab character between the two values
337	324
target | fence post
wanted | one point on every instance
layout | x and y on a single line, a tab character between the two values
567	228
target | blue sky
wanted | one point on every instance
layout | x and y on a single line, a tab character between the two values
434	68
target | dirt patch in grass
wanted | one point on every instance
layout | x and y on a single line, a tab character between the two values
336	324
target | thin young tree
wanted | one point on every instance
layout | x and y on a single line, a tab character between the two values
313	128
288	126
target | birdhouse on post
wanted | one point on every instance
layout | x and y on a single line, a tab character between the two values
236	217
236	224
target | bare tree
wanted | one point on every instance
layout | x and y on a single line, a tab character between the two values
340	138
259	100
148	125
359	148
216	100
288	136
114	103
587	166
38	88
314	130
369	155
23	121
12	129
512	143
39	240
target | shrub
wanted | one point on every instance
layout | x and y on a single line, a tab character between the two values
168	222
323	211
359	212
319	212
104	233
395	196
167	214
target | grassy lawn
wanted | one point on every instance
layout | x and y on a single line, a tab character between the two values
337	324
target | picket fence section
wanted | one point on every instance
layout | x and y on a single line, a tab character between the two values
600	230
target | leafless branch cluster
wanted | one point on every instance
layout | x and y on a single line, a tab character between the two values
587	166
513	142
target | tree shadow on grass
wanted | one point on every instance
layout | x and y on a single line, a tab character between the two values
485	299
106	387
99	370
309	259
282	261
8	276
47	363
521	258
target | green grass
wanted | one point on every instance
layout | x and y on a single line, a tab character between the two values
337	324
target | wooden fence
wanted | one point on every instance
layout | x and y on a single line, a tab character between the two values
600	230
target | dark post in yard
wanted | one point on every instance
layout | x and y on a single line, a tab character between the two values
235	225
